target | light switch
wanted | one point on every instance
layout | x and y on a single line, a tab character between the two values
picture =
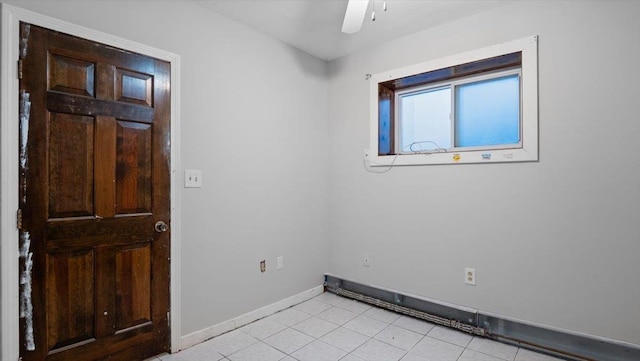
192	178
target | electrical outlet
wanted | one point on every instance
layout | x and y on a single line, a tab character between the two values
279	263
366	154
470	276
366	261
263	266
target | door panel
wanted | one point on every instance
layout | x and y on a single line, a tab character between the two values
132	87
133	171
69	75
70	308
95	182
133	286
71	165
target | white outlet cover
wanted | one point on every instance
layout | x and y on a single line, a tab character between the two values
470	276
366	262
279	263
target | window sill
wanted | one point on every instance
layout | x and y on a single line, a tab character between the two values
453	157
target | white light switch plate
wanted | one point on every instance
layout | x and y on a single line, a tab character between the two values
192	178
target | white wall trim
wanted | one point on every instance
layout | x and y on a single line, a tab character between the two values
9	180
197	337
11	18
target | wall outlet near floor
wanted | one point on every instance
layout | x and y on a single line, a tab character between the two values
366	262
279	263
263	266
470	276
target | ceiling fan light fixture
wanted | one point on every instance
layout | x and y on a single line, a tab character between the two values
354	16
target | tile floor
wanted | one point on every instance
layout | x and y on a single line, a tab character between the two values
331	328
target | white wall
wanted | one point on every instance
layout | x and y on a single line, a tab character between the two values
254	119
555	242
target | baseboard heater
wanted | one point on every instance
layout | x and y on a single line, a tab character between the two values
557	343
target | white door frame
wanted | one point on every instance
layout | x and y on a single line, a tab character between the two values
9	127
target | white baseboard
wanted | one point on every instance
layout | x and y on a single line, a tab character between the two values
197	337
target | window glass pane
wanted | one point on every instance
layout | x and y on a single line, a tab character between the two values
425	120
384	132
488	112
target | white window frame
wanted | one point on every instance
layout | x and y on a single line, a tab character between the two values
525	151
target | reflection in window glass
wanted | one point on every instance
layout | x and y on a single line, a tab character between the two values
488	112
425	120
384	132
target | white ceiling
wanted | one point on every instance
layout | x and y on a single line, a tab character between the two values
315	25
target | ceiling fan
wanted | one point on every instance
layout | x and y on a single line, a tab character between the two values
354	16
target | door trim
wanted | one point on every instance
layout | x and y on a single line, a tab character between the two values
11	18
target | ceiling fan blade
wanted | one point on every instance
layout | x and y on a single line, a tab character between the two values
354	16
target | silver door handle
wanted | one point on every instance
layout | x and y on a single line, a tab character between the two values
161	227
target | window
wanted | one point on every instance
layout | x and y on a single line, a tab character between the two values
474	107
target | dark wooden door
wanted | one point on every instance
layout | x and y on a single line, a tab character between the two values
95	179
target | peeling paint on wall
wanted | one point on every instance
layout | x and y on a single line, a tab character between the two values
24	40
26	305
26	256
25	112
25	245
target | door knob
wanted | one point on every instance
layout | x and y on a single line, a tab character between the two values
161	227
